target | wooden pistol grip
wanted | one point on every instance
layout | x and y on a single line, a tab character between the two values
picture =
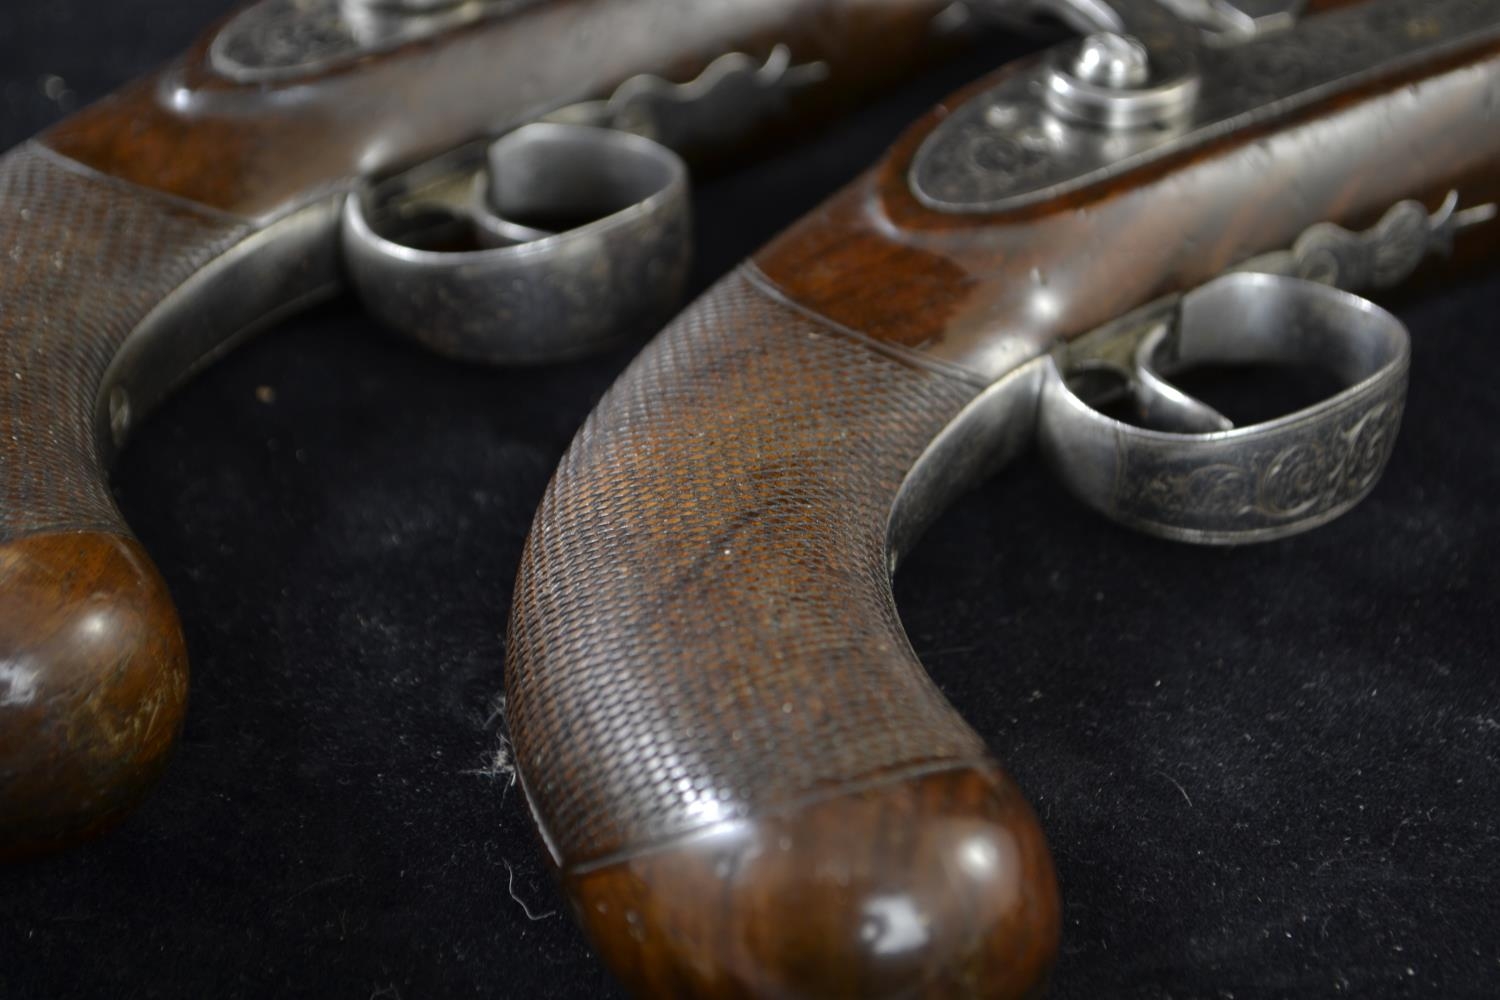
145	233
93	676
750	784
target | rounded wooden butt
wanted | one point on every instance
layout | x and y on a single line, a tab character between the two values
93	685
938	885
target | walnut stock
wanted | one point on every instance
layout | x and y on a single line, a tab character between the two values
706	673
150	231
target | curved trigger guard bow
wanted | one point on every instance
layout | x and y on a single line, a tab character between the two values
568	237
1189	473
566	234
1206	480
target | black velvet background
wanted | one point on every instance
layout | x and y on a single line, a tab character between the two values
1266	772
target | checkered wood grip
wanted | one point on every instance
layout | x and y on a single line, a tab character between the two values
93	674
703	627
84	260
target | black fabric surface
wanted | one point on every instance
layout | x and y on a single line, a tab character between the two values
1264	772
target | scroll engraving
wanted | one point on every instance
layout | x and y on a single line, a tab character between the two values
1310	471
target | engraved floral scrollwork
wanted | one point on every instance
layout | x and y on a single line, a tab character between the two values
1297	479
1300	475
1371	443
1220	487
1318	475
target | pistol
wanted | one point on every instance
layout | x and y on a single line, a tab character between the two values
746	779
515	161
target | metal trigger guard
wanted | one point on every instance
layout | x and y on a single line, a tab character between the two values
574	232
566	239
1211	482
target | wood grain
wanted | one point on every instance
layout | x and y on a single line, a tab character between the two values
94	679
725	736
118	212
934	887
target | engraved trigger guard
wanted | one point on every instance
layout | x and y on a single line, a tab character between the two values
568	238
529	293
1211	482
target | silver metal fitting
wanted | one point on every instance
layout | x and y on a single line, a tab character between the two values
1236	21
1116	61
1107	81
1206	480
567	239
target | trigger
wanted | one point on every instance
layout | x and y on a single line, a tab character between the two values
1161	405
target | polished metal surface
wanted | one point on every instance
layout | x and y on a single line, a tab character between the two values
1381	257
995	428
569	238
1108	59
1007	149
565	233
1112	82
733	94
1254	483
1237	20
266	277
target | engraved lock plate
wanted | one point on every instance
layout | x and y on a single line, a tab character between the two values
286	39
1006	149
